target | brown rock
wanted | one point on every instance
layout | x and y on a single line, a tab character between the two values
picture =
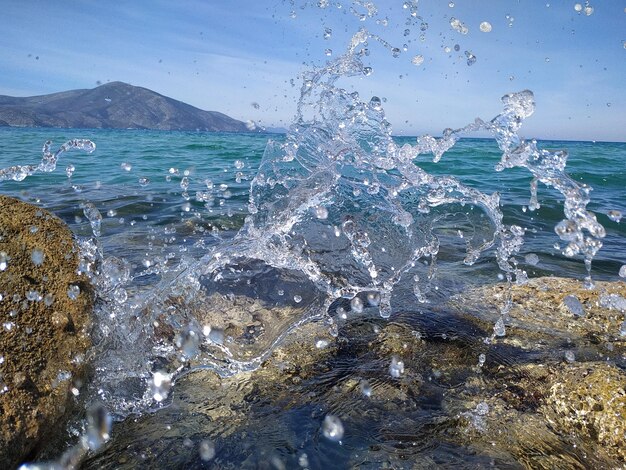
590	400
43	334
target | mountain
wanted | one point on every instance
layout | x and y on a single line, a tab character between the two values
114	105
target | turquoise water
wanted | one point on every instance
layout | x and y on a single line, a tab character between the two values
141	208
174	204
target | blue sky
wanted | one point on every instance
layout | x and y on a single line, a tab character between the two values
241	56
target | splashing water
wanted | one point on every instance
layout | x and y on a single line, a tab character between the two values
48	162
341	217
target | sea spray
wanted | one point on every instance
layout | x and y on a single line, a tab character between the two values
337	211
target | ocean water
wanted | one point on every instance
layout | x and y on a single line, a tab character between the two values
111	178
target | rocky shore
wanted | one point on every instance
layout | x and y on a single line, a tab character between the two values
45	312
548	394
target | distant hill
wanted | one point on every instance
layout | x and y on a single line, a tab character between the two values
114	105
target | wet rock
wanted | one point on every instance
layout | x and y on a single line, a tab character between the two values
43	337
544	316
590	399
458	401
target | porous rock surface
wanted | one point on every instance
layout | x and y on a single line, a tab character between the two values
43	332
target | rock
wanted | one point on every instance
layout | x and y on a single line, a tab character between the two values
43	337
542	318
514	403
590	399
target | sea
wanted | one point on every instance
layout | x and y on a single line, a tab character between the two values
312	224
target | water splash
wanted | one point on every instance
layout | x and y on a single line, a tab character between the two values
48	162
343	219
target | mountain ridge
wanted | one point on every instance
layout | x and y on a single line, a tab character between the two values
113	105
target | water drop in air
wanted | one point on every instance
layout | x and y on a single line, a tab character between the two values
499	329
622	271
531	259
396	368
366	388
161	385
417	60
356	305
332	428
206	450
37	257
614	215
574	305
98	427
485	27
73	292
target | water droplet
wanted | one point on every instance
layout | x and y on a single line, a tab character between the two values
622	271
144	181
531	259
574	305
332	428
499	329
188	341
569	356
33	296
578	7
614	215
328	33
451	4
588	10
613	301
417	60
206	450
37	257
4	261
485	27
161	385
458	25
396	368
216	335
73	292
321	343
375	103
367	71
93	216
471	58
69	170
297	298
481	359
98	427
328	52
356	305
126	166
395	52
321	212
366	388
239	164
482	408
